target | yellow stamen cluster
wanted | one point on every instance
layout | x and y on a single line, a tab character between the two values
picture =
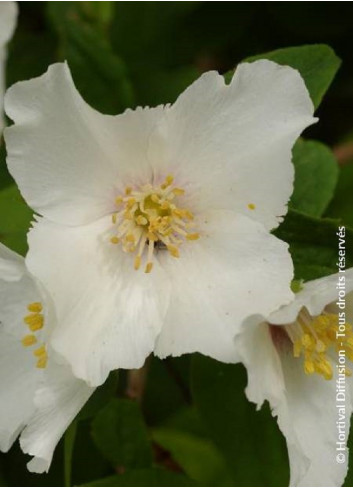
35	322
315	338
148	218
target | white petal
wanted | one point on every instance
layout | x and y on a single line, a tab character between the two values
315	296
232	144
108	313
68	159
266	382
311	405
12	265
305	405
260	357
234	270
8	17
17	290
18	381
58	400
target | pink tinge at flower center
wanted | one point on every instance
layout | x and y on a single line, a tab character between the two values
151	217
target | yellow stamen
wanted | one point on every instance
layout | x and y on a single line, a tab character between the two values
173	250
149	267
141	221
29	340
150	217
192	236
35	307
39	352
42	362
251	206
168	181
34	321
314	337
178	191
137	263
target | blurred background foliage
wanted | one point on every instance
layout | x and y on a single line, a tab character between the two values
184	421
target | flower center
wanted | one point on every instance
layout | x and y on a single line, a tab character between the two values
150	218
315	339
35	322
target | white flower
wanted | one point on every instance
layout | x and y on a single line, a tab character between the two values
292	361
39	396
187	193
8	19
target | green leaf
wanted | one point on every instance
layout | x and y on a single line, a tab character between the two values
317	64
342	203
100	75
316	175
197	456
120	433
153	477
171	377
5	178
249	440
15	218
313	244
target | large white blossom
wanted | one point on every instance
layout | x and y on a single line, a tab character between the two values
292	359
38	393
8	18
156	223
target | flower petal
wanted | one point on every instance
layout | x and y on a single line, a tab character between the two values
266	382
108	314
313	415
17	290
69	160
231	144
12	265
57	402
315	296
8	17
305	405
234	270
18	381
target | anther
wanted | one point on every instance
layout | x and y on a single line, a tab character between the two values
192	236
39	352
137	262
35	307
149	267
29	340
34	321
173	250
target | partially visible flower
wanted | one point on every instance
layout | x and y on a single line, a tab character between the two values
8	19
294	361
39	395
156	228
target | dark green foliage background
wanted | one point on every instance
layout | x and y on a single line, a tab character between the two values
191	423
